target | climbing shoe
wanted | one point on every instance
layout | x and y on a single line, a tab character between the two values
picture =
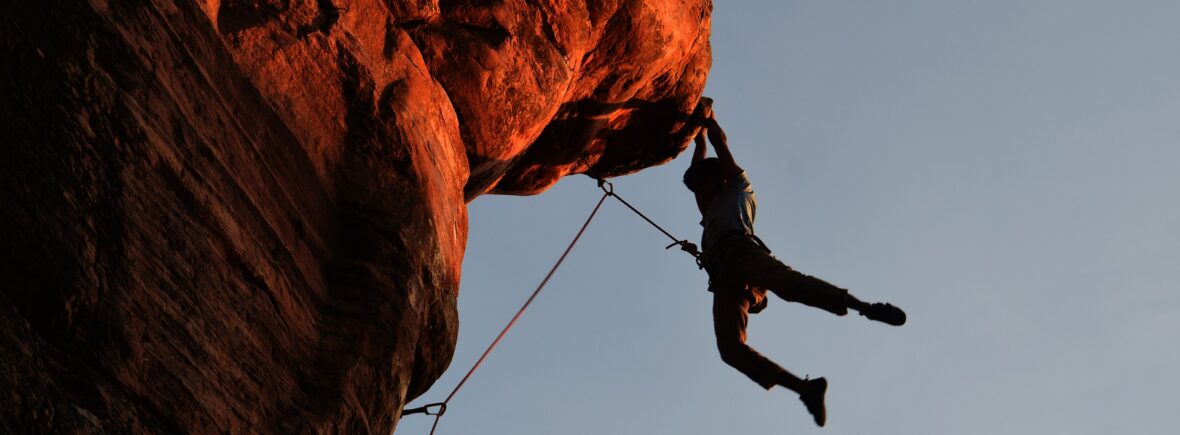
885	313
813	398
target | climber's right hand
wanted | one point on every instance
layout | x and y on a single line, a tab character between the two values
703	111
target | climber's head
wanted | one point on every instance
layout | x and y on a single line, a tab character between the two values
704	176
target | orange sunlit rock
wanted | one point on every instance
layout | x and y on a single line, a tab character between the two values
250	215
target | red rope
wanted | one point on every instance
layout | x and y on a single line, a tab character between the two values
443	404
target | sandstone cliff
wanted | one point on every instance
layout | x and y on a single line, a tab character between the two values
250	215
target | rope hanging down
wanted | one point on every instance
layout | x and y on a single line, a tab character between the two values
440	408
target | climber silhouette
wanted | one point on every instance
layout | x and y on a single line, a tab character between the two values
741	267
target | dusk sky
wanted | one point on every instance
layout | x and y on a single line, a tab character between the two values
1008	172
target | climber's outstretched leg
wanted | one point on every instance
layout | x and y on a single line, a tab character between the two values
730	316
758	268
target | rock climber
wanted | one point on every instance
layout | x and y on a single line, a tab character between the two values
741	268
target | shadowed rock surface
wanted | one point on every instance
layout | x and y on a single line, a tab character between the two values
250	215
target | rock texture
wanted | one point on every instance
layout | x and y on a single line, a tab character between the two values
250	215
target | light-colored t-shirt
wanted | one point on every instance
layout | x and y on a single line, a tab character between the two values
732	209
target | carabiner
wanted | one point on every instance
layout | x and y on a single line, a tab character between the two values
606	186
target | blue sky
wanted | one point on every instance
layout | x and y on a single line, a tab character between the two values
1006	171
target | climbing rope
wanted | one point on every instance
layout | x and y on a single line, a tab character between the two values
685	245
438	409
442	406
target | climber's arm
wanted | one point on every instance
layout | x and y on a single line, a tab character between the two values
729	166
700	150
700	117
702	203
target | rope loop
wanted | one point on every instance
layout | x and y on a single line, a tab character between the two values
686	246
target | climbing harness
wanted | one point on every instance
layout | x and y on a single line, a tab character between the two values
439	408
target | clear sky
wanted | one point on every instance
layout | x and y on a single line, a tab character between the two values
1008	171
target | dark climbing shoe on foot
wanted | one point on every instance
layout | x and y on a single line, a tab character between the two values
885	313
813	398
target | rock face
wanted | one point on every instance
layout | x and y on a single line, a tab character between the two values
250	215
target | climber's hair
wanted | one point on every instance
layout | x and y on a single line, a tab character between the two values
702	171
